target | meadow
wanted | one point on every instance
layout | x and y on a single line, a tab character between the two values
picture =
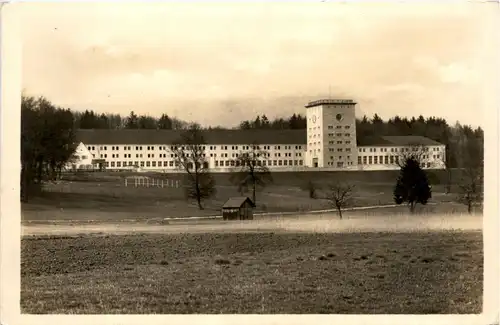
104	197
254	271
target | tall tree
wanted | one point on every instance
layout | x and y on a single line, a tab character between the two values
165	123
257	123
147	122
189	153
132	121
251	172
103	121
294	122
47	142
265	122
178	124
115	121
245	125
412	185
378	125
470	187
88	120
471	166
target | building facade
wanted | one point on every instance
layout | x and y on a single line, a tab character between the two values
82	158
328	143
388	152
331	134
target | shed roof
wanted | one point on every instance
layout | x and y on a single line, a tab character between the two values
237	202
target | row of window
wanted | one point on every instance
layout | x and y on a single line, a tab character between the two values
379	159
329	134
277	147
221	163
339	149
330	127
329	142
339	164
374	160
137	155
340	157
361	159
150	148
339	142
339	134
277	162
142	163
425	149
223	155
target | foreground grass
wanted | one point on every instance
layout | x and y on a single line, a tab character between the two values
269	272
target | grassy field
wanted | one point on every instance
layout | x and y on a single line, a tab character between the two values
420	272
436	177
103	196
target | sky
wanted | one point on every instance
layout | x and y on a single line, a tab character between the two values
218	64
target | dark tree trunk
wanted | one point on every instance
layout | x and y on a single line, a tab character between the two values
24	185
39	174
198	194
340	212
412	207
253	195
448	181
469	207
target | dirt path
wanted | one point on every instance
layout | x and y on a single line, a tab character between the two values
311	223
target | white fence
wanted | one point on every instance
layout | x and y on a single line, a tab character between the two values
143	181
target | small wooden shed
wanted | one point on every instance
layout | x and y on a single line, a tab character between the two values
238	208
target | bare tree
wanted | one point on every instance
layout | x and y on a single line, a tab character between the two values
471	164
251	171
189	153
340	195
470	188
415	152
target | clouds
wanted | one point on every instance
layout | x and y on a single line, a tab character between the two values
193	59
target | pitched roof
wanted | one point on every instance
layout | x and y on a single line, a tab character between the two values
391	141
372	141
216	137
409	140
230	137
237	201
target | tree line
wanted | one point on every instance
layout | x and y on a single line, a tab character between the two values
89	119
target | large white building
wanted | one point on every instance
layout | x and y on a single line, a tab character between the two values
328	143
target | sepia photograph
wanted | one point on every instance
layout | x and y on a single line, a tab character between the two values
252	158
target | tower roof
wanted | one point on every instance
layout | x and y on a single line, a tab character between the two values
330	102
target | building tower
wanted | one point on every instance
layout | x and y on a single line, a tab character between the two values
331	134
